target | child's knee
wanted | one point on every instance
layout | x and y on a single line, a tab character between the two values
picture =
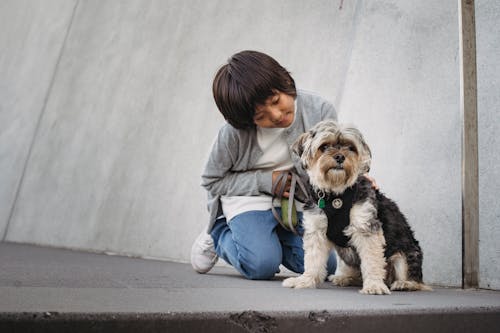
262	268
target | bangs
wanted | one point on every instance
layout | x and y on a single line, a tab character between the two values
247	80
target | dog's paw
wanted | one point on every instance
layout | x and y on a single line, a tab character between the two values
375	288
344	280
300	282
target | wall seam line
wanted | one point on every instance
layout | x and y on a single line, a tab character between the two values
38	123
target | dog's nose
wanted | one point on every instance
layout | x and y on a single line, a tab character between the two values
339	158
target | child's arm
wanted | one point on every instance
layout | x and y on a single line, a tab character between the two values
328	111
244	183
220	178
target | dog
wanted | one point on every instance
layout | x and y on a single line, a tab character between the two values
375	245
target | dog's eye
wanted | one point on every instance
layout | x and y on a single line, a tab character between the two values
324	147
352	148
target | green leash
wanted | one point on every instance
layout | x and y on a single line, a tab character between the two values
288	217
288	214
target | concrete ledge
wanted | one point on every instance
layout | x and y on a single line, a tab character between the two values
54	290
253	321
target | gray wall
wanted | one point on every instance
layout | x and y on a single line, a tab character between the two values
32	35
402	91
107	115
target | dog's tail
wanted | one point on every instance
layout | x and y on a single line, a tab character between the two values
410	286
424	287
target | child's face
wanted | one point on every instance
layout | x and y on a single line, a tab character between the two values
278	111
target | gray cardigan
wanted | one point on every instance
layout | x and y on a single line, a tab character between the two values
229	170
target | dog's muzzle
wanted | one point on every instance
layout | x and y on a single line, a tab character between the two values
339	158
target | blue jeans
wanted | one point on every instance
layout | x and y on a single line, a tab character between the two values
256	244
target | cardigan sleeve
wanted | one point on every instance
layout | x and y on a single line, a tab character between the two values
328	111
219	176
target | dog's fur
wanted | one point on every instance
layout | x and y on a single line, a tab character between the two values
379	250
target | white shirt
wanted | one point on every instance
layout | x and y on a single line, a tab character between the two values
276	156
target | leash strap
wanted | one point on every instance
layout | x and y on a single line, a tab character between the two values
288	218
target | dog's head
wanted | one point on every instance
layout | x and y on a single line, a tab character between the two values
334	155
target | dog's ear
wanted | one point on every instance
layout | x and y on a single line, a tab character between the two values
298	147
367	158
364	152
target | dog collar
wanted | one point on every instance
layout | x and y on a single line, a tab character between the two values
336	201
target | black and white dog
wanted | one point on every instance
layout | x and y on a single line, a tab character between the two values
375	245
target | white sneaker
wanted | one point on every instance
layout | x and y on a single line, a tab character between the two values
203	255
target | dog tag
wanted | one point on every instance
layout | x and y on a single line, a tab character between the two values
321	200
321	203
337	203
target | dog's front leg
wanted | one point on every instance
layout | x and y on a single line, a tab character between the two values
316	251
368	239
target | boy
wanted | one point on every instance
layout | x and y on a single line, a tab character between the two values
265	115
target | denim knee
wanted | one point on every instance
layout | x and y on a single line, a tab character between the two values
262	268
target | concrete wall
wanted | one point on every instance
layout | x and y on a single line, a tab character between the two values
32	35
129	118
402	91
114	133
488	77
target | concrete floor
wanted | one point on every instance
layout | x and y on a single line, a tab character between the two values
55	290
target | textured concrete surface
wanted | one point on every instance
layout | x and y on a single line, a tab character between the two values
107	116
55	289
402	91
116	161
32	35
488	79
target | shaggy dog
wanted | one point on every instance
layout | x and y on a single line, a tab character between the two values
375	245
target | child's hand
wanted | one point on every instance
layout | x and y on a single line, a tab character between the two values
372	180
286	192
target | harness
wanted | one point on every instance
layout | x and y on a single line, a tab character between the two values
337	209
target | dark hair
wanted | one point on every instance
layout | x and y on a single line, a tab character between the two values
247	80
